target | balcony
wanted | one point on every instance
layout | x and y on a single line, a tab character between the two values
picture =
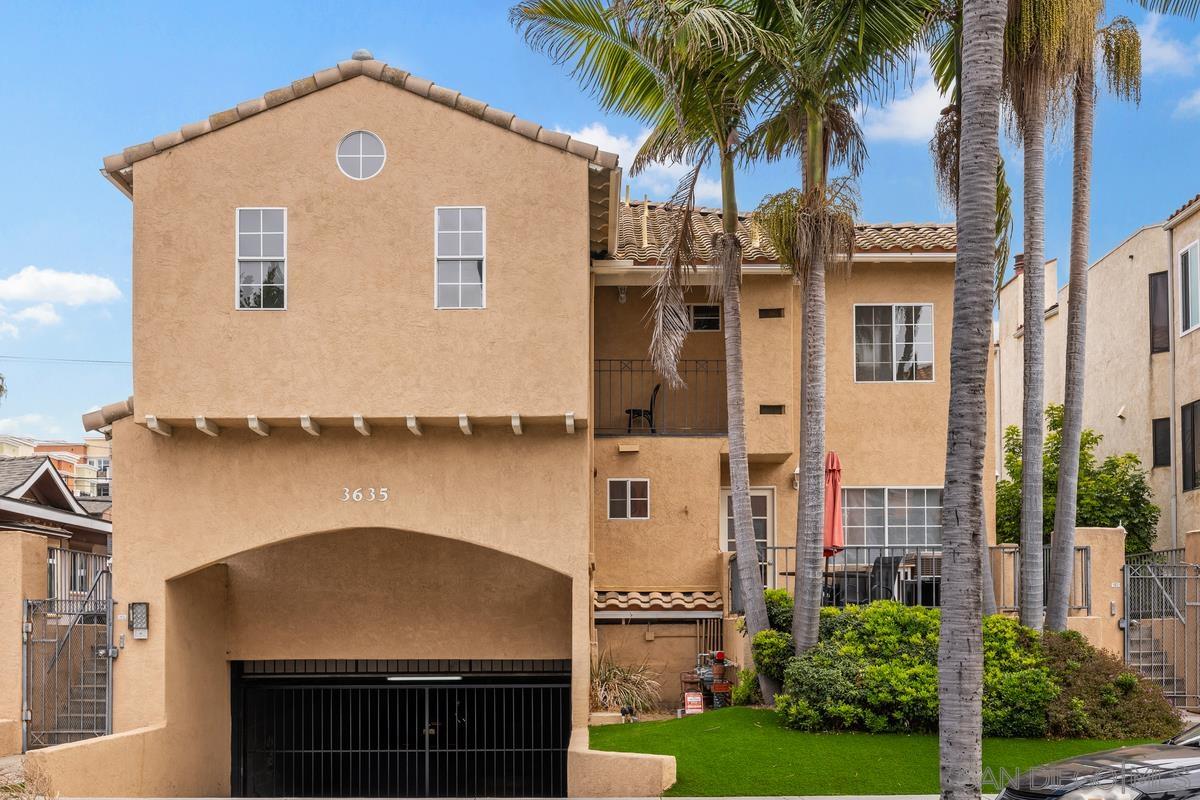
910	574
634	400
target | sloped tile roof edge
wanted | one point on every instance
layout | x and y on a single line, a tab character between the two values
115	164
107	415
622	600
1171	220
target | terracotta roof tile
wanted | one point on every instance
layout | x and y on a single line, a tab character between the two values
872	238
1184	207
117	165
657	601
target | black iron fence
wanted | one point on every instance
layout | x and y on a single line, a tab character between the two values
909	574
633	399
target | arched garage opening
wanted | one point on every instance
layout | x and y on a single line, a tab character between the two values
383	663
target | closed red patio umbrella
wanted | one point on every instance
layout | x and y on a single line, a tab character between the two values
835	537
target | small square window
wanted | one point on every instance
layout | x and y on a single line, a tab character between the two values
628	498
893	342
261	258
704	317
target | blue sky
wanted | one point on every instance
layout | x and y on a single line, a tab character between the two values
86	80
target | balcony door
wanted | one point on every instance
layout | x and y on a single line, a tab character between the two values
762	512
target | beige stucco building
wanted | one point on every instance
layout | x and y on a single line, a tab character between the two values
1142	362
395	343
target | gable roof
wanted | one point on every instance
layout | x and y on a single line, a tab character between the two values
117	167
643	230
17	470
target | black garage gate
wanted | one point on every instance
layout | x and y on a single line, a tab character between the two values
375	728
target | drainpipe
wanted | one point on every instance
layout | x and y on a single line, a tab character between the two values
1173	317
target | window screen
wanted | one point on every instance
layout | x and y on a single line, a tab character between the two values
1162	442
1160	313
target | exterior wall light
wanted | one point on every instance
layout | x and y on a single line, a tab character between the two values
139	620
796	479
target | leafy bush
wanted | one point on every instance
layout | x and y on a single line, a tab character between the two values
745	691
1101	698
771	650
615	686
875	669
1112	493
779	609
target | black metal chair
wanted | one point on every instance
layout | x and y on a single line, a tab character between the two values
646	414
884	572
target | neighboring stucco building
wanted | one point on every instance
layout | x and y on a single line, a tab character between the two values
394	341
1142	365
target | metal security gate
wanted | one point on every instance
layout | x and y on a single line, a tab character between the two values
368	733
67	655
1162	600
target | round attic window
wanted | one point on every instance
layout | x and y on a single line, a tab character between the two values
360	155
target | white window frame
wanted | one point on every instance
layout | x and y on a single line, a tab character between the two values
337	158
238	258
886	526
608	499
893	381
437	257
723	518
692	318
1179	283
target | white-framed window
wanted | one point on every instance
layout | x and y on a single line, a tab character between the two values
628	498
1189	288
79	572
360	155
893	342
704	317
892	516
103	489
460	247
762	517
262	258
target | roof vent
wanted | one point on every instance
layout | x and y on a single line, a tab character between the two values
362	55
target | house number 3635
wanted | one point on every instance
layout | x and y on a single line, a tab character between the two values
368	495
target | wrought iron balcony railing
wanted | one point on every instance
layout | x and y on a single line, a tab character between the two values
633	400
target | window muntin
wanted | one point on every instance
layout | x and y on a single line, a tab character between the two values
1162	442
628	498
1160	313
892	517
762	518
704	317
262	258
360	155
1189	287
460	252
893	342
1189	441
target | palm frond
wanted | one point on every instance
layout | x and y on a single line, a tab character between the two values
1004	222
804	225
669	309
1183	8
943	148
1121	57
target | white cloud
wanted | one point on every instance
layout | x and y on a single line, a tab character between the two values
42	314
33	425
659	180
37	285
8	329
907	119
1189	106
1162	54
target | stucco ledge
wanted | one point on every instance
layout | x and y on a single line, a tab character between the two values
598	773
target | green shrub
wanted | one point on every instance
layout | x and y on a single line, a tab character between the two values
875	669
771	650
779	609
746	692
1100	698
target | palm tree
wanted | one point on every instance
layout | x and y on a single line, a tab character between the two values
691	70
960	647
840	52
1122	63
1044	42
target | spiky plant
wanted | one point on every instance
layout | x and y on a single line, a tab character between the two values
615	686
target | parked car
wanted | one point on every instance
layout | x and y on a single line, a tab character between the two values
1170	770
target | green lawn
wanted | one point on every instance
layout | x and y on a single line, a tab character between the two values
744	751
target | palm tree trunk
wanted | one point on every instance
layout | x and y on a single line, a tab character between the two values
960	646
746	547
1062	545
1033	409
810	511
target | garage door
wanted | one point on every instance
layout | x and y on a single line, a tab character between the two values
416	729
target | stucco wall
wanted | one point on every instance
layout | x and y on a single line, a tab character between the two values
22	576
361	335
